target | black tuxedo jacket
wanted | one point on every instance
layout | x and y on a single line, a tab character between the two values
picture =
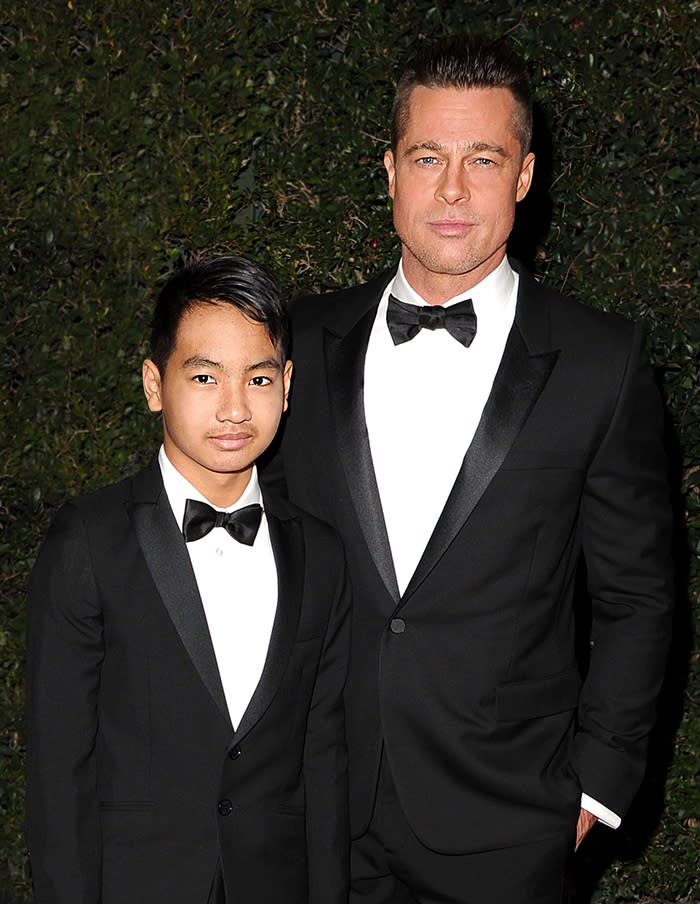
139	790
470	678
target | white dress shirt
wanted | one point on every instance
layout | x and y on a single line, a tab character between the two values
412	391
238	588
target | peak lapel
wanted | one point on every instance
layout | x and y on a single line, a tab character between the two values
288	548
163	547
345	360
520	379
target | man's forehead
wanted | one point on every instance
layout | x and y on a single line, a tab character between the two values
475	116
424	96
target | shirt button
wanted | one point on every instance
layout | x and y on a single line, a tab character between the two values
234	753
219	551
397	626
225	807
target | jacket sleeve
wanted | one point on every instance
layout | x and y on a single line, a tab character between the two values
325	756
64	657
626	535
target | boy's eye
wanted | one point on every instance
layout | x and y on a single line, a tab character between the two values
203	378
260	381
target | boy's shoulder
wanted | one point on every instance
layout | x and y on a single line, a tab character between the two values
282	508
316	531
97	505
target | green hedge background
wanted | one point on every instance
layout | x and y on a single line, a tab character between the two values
137	134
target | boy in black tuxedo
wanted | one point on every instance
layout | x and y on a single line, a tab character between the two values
186	653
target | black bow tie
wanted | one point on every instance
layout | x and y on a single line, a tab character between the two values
407	320
200	518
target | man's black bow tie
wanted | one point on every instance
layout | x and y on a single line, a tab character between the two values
407	320
200	518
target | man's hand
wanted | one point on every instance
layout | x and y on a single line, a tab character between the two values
586	821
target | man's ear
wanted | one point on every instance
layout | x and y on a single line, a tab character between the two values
390	167
287	382
152	385
527	168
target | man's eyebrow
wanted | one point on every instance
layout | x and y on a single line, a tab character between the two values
424	146
468	146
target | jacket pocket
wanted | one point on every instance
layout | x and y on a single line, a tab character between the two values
519	700
134	806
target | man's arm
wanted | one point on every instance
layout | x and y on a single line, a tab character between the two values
586	821
64	656
325	756
626	533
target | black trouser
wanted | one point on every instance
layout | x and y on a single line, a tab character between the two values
389	865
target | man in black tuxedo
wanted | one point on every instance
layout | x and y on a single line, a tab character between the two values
473	435
187	648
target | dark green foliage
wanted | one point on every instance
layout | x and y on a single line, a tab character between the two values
136	134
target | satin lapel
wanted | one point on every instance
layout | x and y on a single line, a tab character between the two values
164	549
288	548
345	363
519	381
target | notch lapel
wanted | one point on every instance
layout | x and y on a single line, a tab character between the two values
523	373
345	363
164	549
288	549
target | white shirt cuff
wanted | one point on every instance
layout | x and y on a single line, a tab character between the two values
607	817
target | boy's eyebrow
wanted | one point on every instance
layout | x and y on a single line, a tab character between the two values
266	364
201	361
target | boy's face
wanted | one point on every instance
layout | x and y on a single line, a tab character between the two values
222	396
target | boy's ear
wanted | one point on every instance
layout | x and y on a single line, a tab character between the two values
152	385
287	381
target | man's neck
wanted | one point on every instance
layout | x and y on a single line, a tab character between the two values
438	288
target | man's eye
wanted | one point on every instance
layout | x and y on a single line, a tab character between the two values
484	161
428	161
203	378
260	381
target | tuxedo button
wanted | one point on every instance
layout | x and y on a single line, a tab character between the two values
397	626
225	807
234	753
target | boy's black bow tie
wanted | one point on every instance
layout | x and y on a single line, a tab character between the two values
200	518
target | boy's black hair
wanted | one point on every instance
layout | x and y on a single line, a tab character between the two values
229	279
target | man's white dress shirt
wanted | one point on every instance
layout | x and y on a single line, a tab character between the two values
238	588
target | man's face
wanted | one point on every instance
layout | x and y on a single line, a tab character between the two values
455	179
222	396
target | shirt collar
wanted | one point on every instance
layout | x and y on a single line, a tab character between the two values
491	297
178	489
